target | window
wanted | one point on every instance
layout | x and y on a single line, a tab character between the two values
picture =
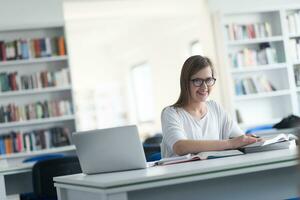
143	92
196	48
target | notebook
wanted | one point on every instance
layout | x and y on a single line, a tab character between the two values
281	141
199	156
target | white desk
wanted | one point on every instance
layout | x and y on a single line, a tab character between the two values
15	179
266	175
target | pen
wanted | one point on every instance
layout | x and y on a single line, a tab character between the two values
256	136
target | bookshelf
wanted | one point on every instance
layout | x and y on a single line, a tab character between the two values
36	100
262	65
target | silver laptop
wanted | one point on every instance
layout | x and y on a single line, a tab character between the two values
108	150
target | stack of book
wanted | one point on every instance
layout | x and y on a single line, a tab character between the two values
37	110
12	81
248	31
281	141
16	142
253	85
293	21
252	57
32	48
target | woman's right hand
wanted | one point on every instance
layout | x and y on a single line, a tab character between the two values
241	141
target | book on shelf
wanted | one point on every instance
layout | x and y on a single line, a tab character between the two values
248	31
281	141
17	141
32	48
253	57
200	156
253	85
294	45
36	110
12	81
293	21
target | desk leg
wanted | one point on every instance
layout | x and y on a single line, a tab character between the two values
117	196
84	193
2	188
11	185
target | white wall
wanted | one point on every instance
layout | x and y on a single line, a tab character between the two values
106	38
244	5
16	14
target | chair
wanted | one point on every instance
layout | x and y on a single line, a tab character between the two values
152	147
44	171
259	128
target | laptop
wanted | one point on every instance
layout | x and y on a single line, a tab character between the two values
109	150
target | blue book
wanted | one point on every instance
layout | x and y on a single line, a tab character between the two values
24	49
2	146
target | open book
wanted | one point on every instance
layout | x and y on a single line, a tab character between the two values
199	156
281	141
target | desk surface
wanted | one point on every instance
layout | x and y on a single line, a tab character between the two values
7	168
204	169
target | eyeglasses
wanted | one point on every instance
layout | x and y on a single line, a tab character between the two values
198	82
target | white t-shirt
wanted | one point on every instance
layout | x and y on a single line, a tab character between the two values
178	124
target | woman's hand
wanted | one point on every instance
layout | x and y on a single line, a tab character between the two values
242	141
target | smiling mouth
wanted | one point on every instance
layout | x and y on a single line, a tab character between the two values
202	93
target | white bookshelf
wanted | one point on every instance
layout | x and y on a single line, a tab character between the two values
48	23
36	122
258	107
246	69
36	91
39	152
262	95
255	41
294	35
33	61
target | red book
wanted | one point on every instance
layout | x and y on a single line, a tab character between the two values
19	142
44	79
37	48
13	81
2	51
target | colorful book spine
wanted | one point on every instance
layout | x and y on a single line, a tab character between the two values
32	48
248	31
16	142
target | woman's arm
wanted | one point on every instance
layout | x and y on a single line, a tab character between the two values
183	147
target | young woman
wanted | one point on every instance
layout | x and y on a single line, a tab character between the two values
194	124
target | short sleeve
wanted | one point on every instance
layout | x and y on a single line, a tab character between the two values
172	127
229	127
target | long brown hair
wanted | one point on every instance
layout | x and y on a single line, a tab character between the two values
190	67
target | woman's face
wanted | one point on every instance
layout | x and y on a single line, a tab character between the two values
199	85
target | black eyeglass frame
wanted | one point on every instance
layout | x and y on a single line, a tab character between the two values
206	81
